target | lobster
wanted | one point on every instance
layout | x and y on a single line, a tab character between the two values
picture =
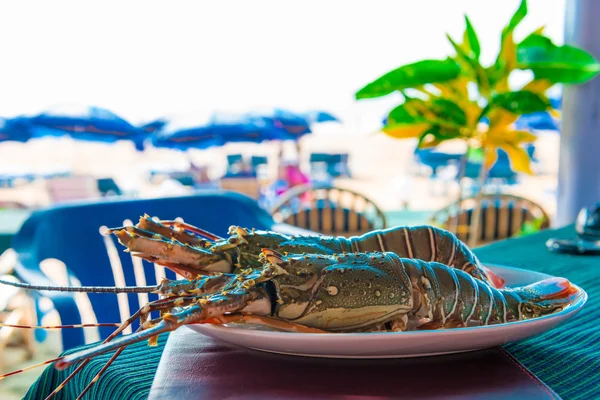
177	246
327	293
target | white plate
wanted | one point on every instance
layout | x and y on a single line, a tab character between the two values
397	344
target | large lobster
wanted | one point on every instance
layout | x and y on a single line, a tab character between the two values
171	244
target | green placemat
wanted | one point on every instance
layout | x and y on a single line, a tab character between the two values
567	358
129	377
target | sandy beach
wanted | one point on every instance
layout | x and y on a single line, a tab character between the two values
382	168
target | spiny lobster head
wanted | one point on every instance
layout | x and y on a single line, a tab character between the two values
243	245
182	259
339	292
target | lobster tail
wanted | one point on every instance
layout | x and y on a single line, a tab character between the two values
550	289
543	297
496	280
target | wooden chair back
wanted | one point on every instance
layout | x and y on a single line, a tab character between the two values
502	216
328	210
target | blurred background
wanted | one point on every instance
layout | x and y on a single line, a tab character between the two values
140	99
144	61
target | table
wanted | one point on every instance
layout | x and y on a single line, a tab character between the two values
194	367
567	358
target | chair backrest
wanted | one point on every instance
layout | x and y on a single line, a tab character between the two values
72	188
71	234
328	210
259	160
234	158
233	163
502	217
336	165
108	187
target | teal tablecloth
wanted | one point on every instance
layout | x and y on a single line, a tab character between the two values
566	358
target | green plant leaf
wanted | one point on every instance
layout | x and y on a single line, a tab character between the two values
556	64
536	40
404	114
411	75
530	227
448	110
506	60
437	111
521	102
470	39
406	131
435	135
475	154
462	58
516	19
519	158
471	67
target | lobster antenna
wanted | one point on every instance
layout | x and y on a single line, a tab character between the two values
105	347
30	367
2	325
88	289
192	228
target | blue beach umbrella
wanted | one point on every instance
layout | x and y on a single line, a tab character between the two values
295	125
86	123
15	129
218	130
320	116
543	120
537	121
154	126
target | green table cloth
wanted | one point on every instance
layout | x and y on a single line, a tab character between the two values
566	358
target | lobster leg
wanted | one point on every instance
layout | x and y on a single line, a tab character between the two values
262	320
174	321
192	228
165	228
183	270
150	228
161	250
245	295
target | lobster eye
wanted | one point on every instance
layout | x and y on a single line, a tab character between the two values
233	240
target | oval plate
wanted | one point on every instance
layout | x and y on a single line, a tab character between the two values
397	344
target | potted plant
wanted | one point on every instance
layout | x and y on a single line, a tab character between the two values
459	98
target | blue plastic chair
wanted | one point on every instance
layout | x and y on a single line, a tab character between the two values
435	159
232	161
336	164
108	187
71	234
501	168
